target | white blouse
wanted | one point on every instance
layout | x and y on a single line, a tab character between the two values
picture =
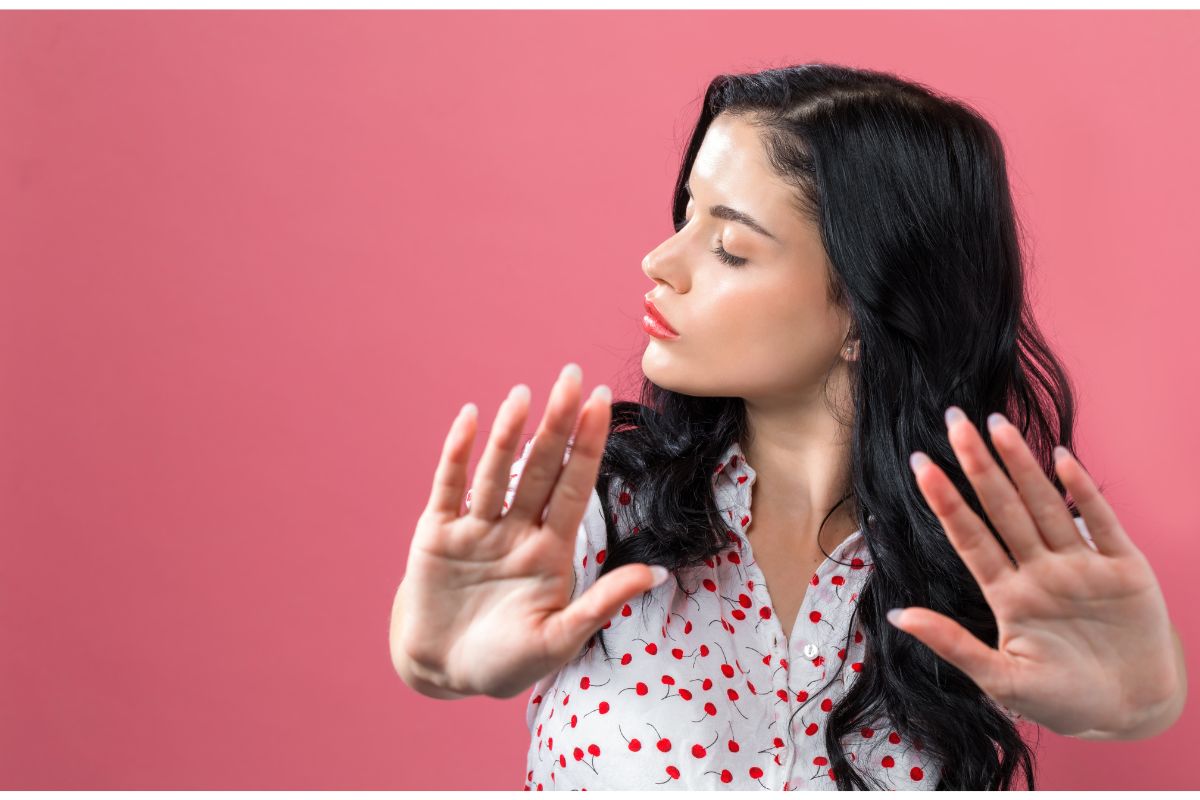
703	690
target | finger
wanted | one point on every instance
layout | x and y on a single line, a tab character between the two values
981	552
493	471
549	445
1003	506
1106	530
450	476
1042	500
575	624
568	502
957	645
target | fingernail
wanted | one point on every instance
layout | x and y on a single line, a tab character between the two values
603	392
572	371
954	414
893	616
1060	453
917	460
660	574
995	421
518	391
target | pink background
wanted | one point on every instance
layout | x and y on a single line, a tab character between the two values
252	263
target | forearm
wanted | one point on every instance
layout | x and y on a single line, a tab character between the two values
1158	719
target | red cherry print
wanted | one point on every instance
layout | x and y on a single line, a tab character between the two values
827	704
626	610
837	580
529	777
635	745
562	760
801	696
734	557
566	698
765	612
688	627
664	745
703	650
726	776
734	746
673	772
856	563
888	762
539	787
811	729
751	687
756	773
856	666
814	616
842	653
625	659
778	742
707	684
600	556
642	688
745	521
594	749
578	753
668	680
710	709
536	700
868	732
767	659
739	665
698	751
708	584
677	652
815	580
738	614
710	563
624	498
832	777
685	694
782	694
652	648
585	682
818	661
858	637
606	625
603	707
727	670
551	742
733	695
745	601
783	663
894	737
785	786
574	719
916	774
820	761
539	733
777	761
585	557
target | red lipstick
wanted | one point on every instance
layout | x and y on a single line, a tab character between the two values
655	324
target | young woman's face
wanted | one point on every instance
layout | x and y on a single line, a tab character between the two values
762	330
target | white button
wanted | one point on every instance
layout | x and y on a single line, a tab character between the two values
810	650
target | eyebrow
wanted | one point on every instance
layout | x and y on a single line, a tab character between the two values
733	215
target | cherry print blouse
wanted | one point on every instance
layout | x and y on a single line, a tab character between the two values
703	690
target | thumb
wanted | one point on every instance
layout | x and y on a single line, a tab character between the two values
955	644
581	619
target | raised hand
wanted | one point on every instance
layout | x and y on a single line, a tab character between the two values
485	596
1086	647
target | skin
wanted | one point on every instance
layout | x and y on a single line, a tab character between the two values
763	331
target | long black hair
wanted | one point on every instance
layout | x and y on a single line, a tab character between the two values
909	190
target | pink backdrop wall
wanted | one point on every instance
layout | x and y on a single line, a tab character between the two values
252	263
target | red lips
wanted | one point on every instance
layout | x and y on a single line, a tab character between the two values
658	317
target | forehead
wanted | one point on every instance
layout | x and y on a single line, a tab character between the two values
731	169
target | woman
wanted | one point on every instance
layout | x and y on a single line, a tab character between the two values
844	289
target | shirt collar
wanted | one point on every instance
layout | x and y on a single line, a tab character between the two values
733	480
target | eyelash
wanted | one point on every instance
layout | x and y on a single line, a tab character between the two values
720	252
